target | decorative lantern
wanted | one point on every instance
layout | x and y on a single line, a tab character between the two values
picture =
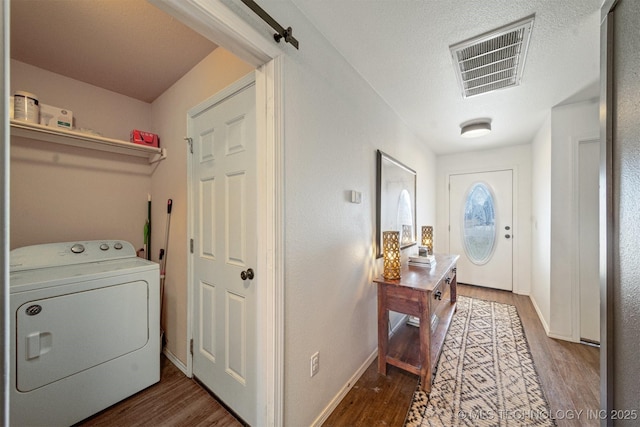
427	238
391	251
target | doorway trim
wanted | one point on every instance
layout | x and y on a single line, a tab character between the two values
224	27
575	255
4	214
518	287
607	229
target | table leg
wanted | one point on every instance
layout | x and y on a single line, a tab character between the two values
383	329
454	288
425	344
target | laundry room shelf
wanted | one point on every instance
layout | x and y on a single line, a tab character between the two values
83	140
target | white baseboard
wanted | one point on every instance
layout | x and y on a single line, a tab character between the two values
547	329
173	359
344	390
320	419
551	334
539	313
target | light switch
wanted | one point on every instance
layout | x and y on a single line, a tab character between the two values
356	196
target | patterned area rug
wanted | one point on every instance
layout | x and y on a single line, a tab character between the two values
485	375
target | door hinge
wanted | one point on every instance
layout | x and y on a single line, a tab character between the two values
191	346
190	142
191	245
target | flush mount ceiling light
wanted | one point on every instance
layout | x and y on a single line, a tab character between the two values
493	60
475	129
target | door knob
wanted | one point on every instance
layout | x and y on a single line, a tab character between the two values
507	228
248	274
507	236
438	295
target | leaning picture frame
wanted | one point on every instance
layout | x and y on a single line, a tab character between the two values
396	200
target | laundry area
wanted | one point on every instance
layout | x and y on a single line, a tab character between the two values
98	196
85	323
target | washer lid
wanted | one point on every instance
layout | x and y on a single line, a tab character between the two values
69	253
48	277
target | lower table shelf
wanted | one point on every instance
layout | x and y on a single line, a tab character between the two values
429	294
404	348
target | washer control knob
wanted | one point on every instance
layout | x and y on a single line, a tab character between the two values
117	246
77	248
104	247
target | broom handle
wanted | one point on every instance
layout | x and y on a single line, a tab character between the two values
163	260
166	236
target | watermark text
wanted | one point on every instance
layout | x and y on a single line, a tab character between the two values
560	414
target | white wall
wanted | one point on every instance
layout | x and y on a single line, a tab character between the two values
169	119
333	124
109	113
570	124
517	158
554	289
541	222
61	193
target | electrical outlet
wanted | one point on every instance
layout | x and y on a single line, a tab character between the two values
315	363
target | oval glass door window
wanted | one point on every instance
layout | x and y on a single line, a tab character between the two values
479	224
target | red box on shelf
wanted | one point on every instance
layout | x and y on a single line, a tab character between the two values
145	138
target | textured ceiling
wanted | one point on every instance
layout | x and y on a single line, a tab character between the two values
127	46
401	48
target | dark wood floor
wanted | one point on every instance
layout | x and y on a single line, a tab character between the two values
569	374
175	401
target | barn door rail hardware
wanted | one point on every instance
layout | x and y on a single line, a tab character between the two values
282	33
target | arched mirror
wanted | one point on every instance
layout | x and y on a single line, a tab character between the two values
396	201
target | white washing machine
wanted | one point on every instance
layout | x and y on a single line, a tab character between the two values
85	329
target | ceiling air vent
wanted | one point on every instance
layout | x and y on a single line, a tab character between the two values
494	60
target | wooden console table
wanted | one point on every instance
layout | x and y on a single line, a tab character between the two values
430	295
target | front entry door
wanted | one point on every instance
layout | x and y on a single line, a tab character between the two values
481	227
223	186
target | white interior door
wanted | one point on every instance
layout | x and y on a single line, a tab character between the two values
481	227
588	235
224	208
